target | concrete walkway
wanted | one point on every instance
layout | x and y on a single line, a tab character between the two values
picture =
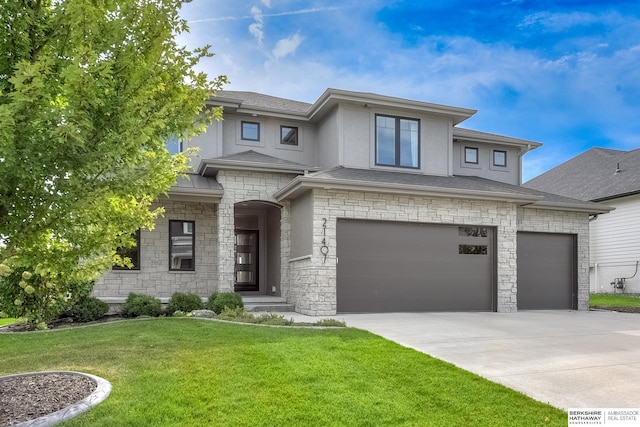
568	359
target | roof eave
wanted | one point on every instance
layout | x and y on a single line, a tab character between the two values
499	139
214	165
302	183
573	207
197	195
456	114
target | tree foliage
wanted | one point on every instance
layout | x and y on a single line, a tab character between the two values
90	90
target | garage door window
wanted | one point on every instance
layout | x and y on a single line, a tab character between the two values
472	249
473	231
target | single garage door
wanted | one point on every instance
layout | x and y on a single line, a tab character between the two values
398	267
546	271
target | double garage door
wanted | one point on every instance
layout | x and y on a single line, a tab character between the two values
395	267
400	267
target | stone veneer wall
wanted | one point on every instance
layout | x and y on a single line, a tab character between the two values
313	283
549	221
249	186
154	277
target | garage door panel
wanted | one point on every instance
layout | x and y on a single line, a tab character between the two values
387	266
546	271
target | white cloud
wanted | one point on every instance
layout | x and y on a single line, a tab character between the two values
288	46
255	28
556	22
267	3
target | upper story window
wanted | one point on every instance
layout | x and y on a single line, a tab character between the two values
132	253
288	135
471	155
182	245
397	142
499	158
250	131
174	145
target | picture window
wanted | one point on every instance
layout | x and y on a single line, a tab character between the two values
397	142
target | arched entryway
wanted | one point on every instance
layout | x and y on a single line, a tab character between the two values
257	247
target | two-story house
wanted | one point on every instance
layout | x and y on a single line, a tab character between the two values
361	203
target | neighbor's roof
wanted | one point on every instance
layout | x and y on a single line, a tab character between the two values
597	174
463	187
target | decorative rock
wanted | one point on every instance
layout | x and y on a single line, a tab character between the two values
203	313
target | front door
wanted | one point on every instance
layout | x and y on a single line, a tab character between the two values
246	269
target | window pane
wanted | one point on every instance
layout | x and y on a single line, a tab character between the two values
133	253
288	135
250	131
472	249
174	145
409	143
181	245
385	141
471	155
500	158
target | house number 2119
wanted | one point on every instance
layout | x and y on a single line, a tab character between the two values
324	249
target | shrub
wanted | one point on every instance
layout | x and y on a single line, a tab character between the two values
184	302
88	309
141	305
236	314
218	302
273	319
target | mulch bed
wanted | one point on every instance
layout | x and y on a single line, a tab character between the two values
32	396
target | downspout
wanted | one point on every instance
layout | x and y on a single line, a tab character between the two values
520	155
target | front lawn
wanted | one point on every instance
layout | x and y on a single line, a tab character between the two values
190	372
613	300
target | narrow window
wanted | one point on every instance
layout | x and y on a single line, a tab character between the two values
182	246
499	158
472	231
397	142
288	135
471	155
132	253
250	131
174	145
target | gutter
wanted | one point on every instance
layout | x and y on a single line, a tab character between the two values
304	182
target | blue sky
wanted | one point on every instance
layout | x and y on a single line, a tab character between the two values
565	73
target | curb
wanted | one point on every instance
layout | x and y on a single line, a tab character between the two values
103	388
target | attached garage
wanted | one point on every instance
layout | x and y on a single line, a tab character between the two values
547	271
400	267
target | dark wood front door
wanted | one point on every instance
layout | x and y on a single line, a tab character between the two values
246	271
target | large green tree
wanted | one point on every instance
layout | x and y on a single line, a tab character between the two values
90	90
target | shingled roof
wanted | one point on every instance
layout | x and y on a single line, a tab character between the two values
597	174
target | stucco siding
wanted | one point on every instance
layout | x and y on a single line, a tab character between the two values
485	167
577	223
615	246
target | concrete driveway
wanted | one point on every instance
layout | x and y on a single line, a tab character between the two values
568	359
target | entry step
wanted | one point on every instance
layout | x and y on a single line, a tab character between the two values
266	303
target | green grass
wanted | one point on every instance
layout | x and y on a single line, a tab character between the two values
189	372
6	321
614	300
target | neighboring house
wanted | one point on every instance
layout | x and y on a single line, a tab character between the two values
611	177
361	203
